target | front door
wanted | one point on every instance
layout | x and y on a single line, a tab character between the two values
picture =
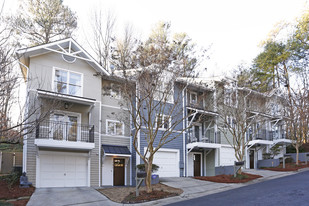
118	172
197	164
251	155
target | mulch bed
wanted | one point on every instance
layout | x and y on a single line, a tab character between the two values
246	177
127	194
14	192
144	196
288	167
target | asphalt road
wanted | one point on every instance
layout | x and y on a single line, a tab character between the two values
290	190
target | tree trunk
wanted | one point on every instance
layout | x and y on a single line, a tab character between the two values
297	154
148	177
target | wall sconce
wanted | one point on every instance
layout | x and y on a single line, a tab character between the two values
66	105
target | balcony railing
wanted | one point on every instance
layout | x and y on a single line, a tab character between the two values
266	135
207	138
66	131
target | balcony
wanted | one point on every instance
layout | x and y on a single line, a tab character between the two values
207	138
69	135
260	135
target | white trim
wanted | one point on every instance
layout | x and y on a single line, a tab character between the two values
114	121
70	40
117	155
203	145
118	136
114	107
68	81
100	145
50	143
65	97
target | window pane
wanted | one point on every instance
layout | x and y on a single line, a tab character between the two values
60	87
75	79
119	128
111	128
61	76
74	90
159	121
72	128
166	122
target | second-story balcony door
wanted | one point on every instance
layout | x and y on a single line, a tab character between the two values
196	132
65	127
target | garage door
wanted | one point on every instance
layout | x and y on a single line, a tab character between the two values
63	169
168	161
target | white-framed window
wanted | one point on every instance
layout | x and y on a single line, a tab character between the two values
163	121
193	98
67	82
114	127
165	88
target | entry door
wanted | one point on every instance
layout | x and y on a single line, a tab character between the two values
251	155
118	172
197	164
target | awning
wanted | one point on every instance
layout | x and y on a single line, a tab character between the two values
115	150
259	142
203	145
66	97
282	141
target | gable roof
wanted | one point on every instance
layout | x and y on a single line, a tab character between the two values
68	47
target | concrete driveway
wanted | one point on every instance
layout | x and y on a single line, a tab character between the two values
84	196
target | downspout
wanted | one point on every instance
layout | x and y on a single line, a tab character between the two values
184	132
25	115
246	149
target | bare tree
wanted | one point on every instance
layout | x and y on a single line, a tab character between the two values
152	91
240	110
298	112
102	35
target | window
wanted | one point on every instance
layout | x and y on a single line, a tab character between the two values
114	127
193	97
163	121
66	82
165	89
65	126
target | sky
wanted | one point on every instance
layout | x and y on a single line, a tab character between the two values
232	29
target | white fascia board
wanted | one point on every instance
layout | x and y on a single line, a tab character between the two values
288	141
64	97
203	145
117	155
50	143
265	142
203	111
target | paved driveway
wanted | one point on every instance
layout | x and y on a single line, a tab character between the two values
84	196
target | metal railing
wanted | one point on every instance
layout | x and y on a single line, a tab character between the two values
206	138
266	135
67	131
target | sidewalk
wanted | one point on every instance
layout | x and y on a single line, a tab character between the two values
196	188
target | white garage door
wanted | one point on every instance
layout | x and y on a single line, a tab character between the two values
61	169
168	161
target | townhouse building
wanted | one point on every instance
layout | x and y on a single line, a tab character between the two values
81	134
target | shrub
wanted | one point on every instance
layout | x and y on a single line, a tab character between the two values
12	178
141	167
